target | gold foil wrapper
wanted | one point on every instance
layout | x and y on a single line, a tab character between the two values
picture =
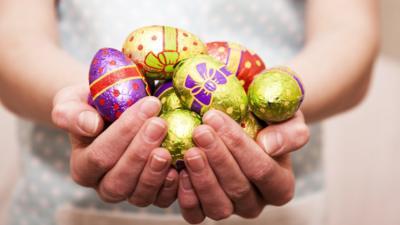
203	83
168	97
251	125
181	124
156	49
275	95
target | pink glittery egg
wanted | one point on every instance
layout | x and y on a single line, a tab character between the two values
115	83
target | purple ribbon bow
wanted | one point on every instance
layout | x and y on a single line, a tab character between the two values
202	91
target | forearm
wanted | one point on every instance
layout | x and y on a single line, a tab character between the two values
32	66
336	62
38	72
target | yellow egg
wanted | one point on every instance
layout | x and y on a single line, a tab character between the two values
156	49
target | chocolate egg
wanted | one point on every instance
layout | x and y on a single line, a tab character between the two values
169	100
203	83
241	61
156	49
251	125
115	83
275	95
181	124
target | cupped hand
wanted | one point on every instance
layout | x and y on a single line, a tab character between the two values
230	173
124	161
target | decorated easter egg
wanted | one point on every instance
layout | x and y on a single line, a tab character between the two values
275	95
241	61
156	49
203	83
169	100
251	125
181	123
115	83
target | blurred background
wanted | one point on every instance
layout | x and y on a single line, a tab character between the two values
361	147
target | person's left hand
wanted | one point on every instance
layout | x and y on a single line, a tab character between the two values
229	173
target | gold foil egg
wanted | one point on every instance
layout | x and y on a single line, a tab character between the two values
169	100
275	95
181	124
203	83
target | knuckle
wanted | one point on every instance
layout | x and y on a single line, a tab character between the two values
251	214
235	138
262	175
77	178
204	185
114	191
149	184
285	197
139	201
98	160
302	135
137	157
239	192
128	125
57	115
189	205
163	203
221	213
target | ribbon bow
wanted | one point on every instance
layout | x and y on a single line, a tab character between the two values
202	90
163	62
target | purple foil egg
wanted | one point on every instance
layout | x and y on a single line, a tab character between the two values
115	83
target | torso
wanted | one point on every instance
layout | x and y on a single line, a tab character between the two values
273	29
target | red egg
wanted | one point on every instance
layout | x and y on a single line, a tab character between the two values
115	83
238	59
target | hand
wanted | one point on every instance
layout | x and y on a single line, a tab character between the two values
124	162
229	173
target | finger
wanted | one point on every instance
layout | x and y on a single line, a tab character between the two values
91	163
73	114
230	177
119	183
188	201
152	178
279	139
214	201
168	192
275	183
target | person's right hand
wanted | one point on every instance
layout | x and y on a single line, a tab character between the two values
123	162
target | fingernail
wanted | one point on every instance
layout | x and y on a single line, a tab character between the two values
272	142
204	138
169	181
150	108
186	182
154	130
195	163
158	163
213	119
88	122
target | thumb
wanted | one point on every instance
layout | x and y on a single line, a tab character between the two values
73	113
286	137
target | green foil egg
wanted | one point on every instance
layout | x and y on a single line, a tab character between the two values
181	124
251	125
169	100
275	95
203	83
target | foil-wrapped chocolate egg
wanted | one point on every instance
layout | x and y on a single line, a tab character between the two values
241	61
169	100
251	125
275	95
115	83
181	123
156	49
203	83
